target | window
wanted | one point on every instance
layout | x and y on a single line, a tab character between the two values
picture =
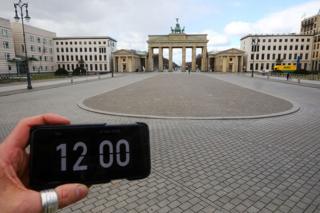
6	45
262	56
62	58
67	57
284	56
257	66
286	40
280	40
76	50
274	40
251	66
307	56
105	57
274	47
96	67
90	49
263	47
85	43
295	56
280	47
7	56
62	50
290	47
100	58
269	47
268	56
267	66
285	47
71	49
95	49
72	58
301	48
85	49
95	58
90	57
86	58
81	49
67	49
257	57
77	58
273	56
32	38
39	40
296	47
39	49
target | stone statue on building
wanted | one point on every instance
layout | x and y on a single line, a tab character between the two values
177	29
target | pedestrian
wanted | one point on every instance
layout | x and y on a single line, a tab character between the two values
288	76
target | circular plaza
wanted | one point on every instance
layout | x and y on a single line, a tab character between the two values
187	96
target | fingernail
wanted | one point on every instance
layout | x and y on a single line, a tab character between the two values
81	190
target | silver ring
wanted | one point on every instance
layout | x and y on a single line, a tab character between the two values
49	201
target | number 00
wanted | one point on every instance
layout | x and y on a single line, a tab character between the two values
112	154
120	143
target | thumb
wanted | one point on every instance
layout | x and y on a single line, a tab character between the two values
70	193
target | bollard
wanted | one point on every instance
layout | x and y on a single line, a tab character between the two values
298	80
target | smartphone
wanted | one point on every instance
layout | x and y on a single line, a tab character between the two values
88	154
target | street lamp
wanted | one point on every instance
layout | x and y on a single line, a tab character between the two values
20	5
255	48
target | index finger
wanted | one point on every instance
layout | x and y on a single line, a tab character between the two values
20	135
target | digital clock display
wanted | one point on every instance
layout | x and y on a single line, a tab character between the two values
88	154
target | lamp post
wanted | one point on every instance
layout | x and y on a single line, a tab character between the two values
255	46
20	5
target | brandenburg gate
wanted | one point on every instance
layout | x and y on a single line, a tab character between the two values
178	39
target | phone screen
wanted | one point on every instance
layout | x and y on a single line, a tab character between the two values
88	154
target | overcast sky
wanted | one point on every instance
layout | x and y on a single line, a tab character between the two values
131	21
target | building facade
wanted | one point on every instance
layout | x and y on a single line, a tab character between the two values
39	47
95	52
230	60
311	26
178	39
7	54
265	51
129	61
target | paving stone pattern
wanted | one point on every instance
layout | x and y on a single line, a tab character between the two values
182	95
260	165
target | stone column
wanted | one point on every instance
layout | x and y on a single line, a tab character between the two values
204	61
183	68
114	58
224	63
160	59
241	63
129	63
145	64
170	59
194	59
236	64
119	64
150	59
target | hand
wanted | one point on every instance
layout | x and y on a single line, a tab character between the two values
14	171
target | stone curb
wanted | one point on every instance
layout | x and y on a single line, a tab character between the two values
294	109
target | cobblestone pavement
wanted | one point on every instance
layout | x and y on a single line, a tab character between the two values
180	95
261	165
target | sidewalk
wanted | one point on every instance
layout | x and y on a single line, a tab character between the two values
302	82
7	89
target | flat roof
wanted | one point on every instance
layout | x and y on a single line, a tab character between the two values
274	35
84	37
